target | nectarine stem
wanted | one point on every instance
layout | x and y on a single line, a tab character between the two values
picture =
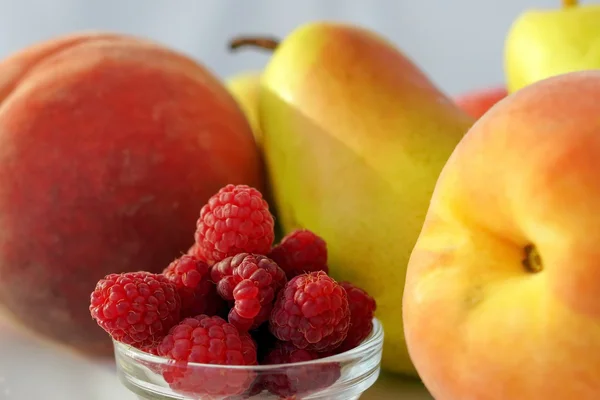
532	261
569	3
265	43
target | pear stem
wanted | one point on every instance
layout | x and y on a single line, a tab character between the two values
265	43
570	3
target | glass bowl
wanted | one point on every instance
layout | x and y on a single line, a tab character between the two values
343	376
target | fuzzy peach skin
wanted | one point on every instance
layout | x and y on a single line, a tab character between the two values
478	102
109	146
485	318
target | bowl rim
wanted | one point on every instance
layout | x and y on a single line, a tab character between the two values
374	340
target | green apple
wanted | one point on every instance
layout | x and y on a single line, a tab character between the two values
545	43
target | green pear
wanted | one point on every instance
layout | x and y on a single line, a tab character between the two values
355	136
545	43
245	88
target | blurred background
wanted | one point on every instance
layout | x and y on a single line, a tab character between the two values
458	43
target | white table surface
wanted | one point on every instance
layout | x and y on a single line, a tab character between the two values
31	369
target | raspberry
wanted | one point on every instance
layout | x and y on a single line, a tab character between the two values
312	312
207	340
194	251
135	308
252	282
300	252
362	309
198	293
298	380
235	220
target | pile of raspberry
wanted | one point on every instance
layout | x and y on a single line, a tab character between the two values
237	299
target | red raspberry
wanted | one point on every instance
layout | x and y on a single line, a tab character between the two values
207	340
300	252
298	380
312	312
362	310
135	308
194	251
252	282
198	293
235	220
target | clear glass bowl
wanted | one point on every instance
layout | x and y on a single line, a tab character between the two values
344	376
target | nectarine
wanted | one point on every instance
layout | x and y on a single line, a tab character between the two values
109	146
501	298
478	102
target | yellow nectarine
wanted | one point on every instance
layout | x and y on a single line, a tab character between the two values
501	300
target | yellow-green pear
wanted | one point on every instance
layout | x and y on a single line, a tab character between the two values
355	136
545	43
245	88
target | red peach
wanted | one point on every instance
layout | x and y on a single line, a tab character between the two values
109	146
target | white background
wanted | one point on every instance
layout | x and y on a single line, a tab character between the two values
459	43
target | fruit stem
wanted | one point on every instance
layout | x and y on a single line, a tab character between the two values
532	261
569	3
265	43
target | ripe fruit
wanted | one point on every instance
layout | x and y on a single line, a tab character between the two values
207	340
135	308
109	144
198	293
245	89
362	310
251	282
545	43
298	381
478	102
271	320
300	252
355	136
235	220
312	313
501	297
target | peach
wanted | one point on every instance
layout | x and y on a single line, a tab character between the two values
478	102
501	295
109	146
